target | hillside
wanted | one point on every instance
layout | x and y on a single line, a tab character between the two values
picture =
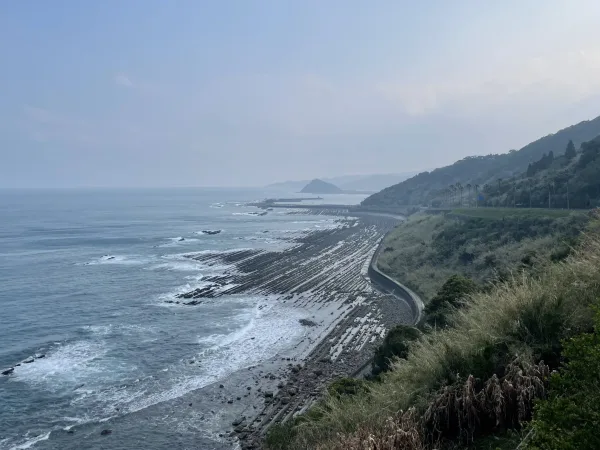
427	249
567	181
428	187
317	186
373	183
483	377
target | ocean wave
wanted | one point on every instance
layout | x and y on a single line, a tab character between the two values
116	259
31	442
64	365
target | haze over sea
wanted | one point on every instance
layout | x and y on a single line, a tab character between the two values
84	276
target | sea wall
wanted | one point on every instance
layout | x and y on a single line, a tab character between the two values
388	284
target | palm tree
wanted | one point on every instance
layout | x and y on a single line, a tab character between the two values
460	188
452	190
499	187
469	196
476	196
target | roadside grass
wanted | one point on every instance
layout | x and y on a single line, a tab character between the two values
523	319
500	213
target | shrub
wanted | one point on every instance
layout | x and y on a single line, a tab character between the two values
455	289
570	417
346	387
395	345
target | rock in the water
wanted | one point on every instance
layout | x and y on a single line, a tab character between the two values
106	432
292	391
40	356
318	372
211	232
180	239
268	394
307	323
28	360
221	386
285	400
8	371
238	421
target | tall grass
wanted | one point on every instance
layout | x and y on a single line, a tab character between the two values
524	317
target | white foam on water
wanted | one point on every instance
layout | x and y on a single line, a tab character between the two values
116	259
31	442
275	329
66	365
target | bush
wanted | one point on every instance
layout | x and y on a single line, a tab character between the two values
570	417
346	386
395	345
455	289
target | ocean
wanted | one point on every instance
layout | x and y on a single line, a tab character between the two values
85	280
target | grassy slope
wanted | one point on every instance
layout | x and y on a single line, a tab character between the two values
481	243
526	316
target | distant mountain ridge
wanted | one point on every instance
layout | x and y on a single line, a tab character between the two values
317	186
427	187
372	182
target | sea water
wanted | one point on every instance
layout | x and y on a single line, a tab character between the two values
84	279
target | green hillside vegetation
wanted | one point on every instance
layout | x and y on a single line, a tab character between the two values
569	181
478	383
491	244
473	172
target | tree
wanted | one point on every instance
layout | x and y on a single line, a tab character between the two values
460	188
395	344
476	195
570	152
469	197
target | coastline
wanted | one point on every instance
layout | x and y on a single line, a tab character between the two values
324	275
349	323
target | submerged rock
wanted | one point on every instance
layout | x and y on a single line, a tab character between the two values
106	432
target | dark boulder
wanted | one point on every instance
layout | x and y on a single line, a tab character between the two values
106	432
8	371
238	421
307	323
28	360
211	232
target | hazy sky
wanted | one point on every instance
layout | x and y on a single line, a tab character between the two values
199	92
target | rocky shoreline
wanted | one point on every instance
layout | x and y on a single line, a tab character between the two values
326	274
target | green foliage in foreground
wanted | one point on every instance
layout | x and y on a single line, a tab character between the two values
395	345
526	316
346	386
570	417
456	289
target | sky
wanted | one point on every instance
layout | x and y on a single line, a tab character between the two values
132	93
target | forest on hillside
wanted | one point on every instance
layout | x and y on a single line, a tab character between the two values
471	175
